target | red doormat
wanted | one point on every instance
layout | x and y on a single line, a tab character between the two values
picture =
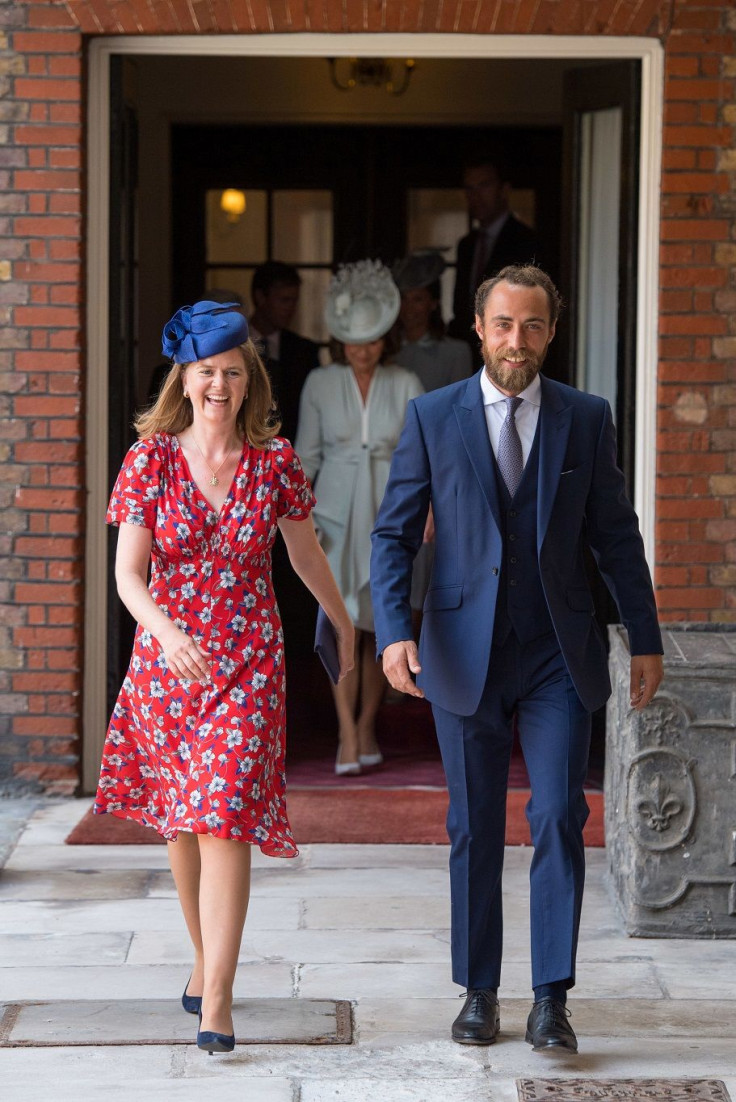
355	815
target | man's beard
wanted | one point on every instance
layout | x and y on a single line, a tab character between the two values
514	379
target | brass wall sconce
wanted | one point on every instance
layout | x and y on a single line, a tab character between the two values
393	74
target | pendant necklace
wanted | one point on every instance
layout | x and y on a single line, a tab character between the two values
214	480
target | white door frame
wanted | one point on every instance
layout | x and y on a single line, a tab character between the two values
648	51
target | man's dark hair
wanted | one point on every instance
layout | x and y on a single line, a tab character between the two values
274	271
521	275
493	157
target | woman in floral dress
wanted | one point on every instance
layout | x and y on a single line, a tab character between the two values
195	747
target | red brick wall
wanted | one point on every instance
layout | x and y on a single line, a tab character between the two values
41	299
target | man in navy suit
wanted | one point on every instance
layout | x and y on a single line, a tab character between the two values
498	238
522	476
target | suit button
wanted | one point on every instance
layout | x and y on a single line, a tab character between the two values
495	571
513	513
513	581
513	558
512	537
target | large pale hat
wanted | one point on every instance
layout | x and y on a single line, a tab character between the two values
362	302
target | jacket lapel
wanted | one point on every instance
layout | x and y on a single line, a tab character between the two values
555	422
471	420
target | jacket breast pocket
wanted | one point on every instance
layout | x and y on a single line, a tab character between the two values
444	596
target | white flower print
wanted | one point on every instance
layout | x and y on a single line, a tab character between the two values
233	739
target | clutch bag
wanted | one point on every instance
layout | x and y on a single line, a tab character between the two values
325	645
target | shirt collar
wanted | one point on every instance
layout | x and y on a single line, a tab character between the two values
491	393
493	228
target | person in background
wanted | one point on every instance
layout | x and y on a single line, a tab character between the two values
289	357
436	359
350	418
497	238
424	346
195	747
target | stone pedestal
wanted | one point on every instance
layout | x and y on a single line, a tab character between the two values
671	787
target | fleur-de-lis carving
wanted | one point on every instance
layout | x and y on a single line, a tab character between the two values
660	809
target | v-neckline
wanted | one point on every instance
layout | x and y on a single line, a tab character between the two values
204	500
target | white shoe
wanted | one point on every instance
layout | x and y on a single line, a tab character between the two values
371	759
346	768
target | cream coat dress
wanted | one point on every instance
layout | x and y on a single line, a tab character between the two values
345	446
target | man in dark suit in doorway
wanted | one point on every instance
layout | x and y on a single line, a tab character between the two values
289	357
521	472
497	239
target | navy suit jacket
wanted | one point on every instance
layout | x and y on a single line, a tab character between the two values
517	243
445	456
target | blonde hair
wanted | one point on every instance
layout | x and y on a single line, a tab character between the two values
172	412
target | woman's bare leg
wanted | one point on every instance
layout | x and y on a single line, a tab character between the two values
185	867
224	891
346	704
372	689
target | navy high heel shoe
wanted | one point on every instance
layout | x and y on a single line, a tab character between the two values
214	1042
191	1003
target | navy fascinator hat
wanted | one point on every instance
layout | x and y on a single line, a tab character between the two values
196	332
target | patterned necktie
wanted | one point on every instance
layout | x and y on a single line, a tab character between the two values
510	457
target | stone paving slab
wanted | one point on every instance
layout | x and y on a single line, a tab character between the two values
164	1089
88	884
376	913
135	982
62	950
132	1022
402	1090
162	916
432	980
300	946
655	1018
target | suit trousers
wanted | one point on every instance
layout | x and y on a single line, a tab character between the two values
529	681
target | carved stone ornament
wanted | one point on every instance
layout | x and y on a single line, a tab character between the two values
661	799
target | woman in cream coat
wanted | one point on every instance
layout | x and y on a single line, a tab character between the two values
350	418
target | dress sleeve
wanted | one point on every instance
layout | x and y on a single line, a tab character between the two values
135	494
294	497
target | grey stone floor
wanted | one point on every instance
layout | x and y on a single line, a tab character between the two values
368	924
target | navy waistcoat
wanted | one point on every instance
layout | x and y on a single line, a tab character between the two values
521	605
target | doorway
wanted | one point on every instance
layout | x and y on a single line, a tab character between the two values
409	150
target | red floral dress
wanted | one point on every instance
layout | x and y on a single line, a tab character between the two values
208	759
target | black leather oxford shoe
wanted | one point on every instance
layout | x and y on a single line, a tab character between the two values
479	1021
548	1027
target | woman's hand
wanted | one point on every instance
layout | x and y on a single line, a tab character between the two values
185	659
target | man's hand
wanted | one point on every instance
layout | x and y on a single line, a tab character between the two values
647	672
400	660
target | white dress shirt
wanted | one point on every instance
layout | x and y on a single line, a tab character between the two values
485	243
527	414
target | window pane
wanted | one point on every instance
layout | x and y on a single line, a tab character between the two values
243	241
309	319
521	201
599	217
302	227
438	218
232	279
